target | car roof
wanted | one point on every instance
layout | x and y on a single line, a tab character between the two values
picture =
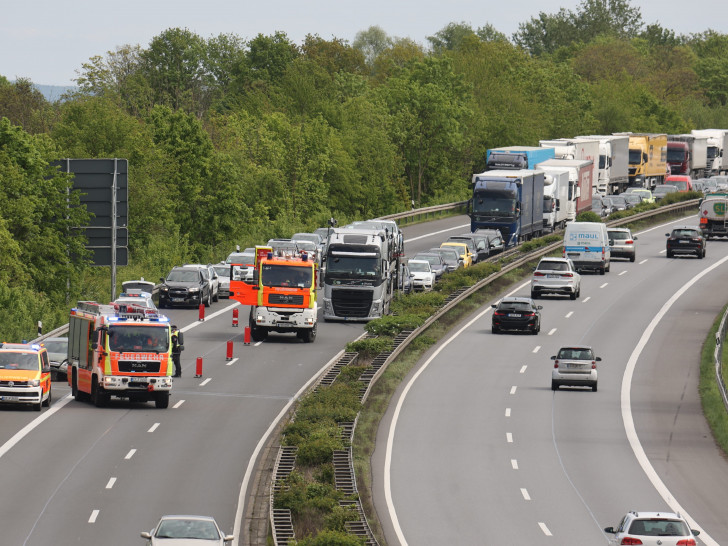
418	262
656	514
22	347
685	227
580	347
617	229
516	299
555	259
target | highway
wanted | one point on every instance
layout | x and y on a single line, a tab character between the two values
77	474
477	449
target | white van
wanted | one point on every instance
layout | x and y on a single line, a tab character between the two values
587	245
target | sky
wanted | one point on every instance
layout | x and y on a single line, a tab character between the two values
48	41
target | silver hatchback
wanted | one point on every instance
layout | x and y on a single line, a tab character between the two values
622	243
555	276
574	366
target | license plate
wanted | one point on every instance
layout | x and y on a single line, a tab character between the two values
178	299
137	383
285	324
683	242
10	398
577	366
553	276
514	315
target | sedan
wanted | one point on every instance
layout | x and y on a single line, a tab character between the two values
183	530
621	242
574	366
556	276
686	240
422	275
513	313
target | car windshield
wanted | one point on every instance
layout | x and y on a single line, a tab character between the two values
222	270
311	237
308	246
286	276
353	266
183	275
659	527
56	345
10	360
552	265
188	528
138	338
575	353
240	258
619	235
514	306
434	260
684	233
419	267
447	255
617	200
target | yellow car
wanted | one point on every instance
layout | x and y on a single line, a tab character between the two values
25	373
644	193
466	257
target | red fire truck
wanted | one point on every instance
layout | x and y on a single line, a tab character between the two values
119	350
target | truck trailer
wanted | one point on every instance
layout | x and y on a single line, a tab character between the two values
517	157
687	155
579	198
613	163
578	148
717	143
510	201
555	198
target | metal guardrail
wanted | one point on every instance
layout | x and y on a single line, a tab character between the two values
425	213
718	358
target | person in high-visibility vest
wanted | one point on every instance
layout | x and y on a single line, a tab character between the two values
178	345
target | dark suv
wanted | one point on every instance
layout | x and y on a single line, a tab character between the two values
184	286
686	240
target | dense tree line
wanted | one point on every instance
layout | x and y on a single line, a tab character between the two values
232	141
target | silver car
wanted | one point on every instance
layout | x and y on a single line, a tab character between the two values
653	529
223	276
622	243
58	355
574	366
555	276
184	530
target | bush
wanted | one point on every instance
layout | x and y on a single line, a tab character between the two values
332	538
391	325
588	216
368	348
336	520
533	244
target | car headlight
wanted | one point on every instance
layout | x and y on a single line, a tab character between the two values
194	290
34	382
164	288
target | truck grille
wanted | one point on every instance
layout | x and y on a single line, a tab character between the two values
285	299
139	366
178	293
351	303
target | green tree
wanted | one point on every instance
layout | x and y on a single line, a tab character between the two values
24	105
372	42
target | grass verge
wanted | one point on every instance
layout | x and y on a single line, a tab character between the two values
710	398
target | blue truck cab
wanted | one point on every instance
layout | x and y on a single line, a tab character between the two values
508	200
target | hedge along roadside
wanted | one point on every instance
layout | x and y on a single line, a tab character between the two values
712	388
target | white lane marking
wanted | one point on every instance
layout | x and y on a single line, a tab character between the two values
178	404
662	251
233	361
93	517
537	348
605	284
643	261
569	314
206	381
23	432
523	368
436	233
513	389
544	529
153	427
628	419
395	418
509	437
514	464
623	272
508	412
130	454
586	299
258	344
110	483
552	331
208	317
525	494
264	439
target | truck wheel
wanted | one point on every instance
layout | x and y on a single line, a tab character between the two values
669	254
309	335
602	271
77	394
98	397
47	403
632	258
258	333
554	385
573	295
161	400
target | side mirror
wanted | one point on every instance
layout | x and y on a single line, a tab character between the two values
667	234
161	279
635	238
94	345
539	307
553	357
146	535
494	306
610	530
695	532
46	369
598	359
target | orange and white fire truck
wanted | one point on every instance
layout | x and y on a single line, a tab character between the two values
282	294
119	350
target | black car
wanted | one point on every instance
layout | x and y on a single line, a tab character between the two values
437	264
450	257
514	313
496	243
184	286
686	240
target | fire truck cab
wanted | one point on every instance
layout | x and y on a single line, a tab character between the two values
120	351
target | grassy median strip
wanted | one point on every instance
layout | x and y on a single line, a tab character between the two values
710	397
